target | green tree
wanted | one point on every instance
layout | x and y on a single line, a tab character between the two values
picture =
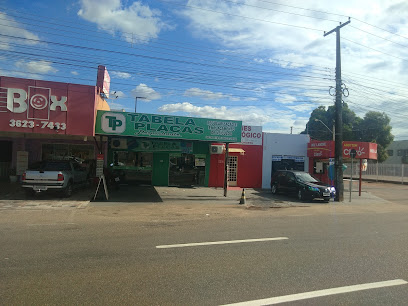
374	127
317	130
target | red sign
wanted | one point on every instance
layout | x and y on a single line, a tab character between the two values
325	149
33	106
364	150
103	80
320	149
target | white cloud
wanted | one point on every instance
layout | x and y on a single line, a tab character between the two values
249	115
142	90
36	67
74	73
115	16
10	27
120	75
118	107
203	94
117	94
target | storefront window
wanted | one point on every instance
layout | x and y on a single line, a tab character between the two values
61	151
186	170
134	167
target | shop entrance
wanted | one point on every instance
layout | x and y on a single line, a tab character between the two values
232	170
280	162
5	158
186	170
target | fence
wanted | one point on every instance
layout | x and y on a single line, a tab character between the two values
379	172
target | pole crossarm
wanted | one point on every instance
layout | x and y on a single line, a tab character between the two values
336	28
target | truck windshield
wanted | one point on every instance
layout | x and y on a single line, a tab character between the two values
54	166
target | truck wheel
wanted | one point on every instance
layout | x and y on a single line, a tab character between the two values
68	190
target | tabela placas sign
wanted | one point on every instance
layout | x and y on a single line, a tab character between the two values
31	106
168	127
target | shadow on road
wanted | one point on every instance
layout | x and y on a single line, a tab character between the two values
267	195
14	191
131	193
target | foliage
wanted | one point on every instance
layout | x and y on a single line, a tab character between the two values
374	127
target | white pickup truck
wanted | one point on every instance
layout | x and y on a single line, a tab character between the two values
59	175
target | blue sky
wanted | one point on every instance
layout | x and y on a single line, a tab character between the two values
263	62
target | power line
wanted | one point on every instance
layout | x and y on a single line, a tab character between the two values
246	17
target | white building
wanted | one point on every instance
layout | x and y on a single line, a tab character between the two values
283	151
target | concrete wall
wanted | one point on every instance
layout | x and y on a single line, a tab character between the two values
395	146
282	144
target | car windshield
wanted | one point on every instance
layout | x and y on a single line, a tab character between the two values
305	177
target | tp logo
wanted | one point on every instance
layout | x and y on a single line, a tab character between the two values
113	123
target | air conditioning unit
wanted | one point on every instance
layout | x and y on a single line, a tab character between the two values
119	143
217	149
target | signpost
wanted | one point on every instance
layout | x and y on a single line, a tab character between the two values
353	154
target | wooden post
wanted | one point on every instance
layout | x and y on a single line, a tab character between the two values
359	182
226	170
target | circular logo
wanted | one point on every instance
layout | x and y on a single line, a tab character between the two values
38	101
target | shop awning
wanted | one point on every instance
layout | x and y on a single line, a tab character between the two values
236	150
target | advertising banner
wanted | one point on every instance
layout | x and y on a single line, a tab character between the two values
251	135
325	149
320	149
103	80
364	150
43	107
167	127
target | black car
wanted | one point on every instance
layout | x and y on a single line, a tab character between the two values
305	186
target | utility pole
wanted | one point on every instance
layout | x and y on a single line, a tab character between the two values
291	129
338	143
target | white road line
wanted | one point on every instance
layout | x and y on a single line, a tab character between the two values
217	242
319	293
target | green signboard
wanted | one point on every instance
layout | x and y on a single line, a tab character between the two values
167	127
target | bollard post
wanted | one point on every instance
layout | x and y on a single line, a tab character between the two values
243	200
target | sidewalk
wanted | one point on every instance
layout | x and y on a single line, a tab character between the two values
12	196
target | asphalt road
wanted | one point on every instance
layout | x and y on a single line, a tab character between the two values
108	255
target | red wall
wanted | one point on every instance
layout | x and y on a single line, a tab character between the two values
77	119
249	167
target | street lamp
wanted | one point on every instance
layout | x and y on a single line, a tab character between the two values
136	101
327	127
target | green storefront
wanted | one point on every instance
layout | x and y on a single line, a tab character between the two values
163	150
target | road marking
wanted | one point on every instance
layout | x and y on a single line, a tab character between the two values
217	242
50	224
319	293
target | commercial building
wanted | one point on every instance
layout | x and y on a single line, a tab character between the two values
244	161
46	120
163	150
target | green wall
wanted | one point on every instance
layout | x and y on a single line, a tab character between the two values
160	174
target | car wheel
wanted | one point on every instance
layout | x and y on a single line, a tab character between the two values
301	195
68	190
274	189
